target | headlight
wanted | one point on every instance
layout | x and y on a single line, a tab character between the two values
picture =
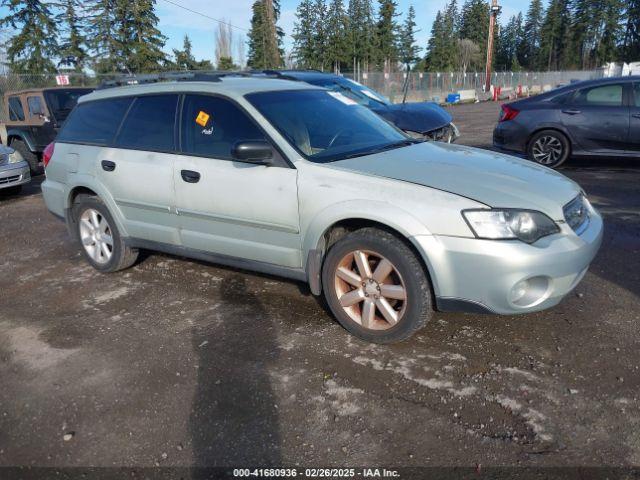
525	225
15	157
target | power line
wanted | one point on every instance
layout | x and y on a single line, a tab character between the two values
206	16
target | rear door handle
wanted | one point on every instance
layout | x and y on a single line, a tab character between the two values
108	166
571	111
190	176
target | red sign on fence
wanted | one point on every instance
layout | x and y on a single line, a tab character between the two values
62	80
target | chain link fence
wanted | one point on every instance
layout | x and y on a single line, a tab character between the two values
432	86
423	86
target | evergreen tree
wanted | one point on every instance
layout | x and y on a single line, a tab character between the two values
31	49
304	35
361	34
320	34
442	48
474	23
336	35
185	60
510	40
101	32
73	43
265	38
531	35
597	31
144	38
555	33
387	35
435	57
631	43
409	50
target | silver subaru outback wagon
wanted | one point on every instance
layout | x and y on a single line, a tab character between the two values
282	177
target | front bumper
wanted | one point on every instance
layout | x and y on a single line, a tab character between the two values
483	274
14	174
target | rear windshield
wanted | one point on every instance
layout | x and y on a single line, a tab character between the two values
61	101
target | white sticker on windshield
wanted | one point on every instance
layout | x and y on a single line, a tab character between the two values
342	98
371	95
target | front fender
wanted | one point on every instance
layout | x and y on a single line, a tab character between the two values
380	212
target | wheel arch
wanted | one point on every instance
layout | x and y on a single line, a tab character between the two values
563	131
320	240
88	186
13	133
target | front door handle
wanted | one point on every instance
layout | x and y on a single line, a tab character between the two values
108	166
635	115
571	111
190	176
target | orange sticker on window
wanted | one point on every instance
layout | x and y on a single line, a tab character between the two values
202	119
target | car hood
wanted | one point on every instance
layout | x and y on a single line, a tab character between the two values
420	117
494	179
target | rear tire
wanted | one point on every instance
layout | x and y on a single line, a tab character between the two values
99	237
549	148
33	159
376	286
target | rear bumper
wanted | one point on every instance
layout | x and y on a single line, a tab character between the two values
483	275
14	174
510	136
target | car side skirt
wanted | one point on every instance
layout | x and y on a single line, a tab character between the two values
234	262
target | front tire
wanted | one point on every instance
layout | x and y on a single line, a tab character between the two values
549	148
99	237
376	286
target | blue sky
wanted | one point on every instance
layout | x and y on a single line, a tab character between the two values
175	22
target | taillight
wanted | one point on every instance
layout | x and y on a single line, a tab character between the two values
47	154
508	113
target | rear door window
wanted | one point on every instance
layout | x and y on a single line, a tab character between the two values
605	95
150	124
95	123
16	111
212	125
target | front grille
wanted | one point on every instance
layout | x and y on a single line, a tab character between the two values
13	178
576	214
441	134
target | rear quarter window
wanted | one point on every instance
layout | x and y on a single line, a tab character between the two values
96	122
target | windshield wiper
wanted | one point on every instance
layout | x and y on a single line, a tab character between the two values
383	148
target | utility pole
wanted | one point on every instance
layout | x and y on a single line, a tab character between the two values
493	15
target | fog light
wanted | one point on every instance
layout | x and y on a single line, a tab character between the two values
530	291
519	290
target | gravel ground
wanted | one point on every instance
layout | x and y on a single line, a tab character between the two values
180	363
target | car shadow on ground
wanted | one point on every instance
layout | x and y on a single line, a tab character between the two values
234	415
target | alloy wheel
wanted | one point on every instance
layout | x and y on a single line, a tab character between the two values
370	290
547	150
96	236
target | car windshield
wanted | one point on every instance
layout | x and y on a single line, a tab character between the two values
61	101
352	89
325	126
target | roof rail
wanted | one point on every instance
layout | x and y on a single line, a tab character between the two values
204	76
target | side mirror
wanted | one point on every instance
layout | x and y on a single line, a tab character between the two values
256	152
